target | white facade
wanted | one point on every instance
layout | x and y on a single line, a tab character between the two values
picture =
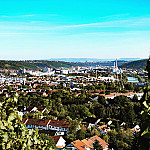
64	71
61	142
109	79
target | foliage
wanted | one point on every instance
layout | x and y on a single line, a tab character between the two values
13	133
139	64
97	146
49	141
121	139
145	120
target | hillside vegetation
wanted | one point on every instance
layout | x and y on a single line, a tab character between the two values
34	65
39	64
139	64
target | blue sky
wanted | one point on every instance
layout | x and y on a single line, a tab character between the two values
43	29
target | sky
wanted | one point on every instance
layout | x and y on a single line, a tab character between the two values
104	29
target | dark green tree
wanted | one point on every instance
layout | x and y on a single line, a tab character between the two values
97	145
145	114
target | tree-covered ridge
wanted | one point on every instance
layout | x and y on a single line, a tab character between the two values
39	64
139	64
33	65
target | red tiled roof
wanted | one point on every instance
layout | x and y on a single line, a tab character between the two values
45	122
40	122
56	138
79	145
102	142
88	143
118	94
41	108
58	123
134	130
103	127
30	108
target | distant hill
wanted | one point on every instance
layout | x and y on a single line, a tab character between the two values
139	64
90	59
101	63
33	65
129	59
39	64
80	59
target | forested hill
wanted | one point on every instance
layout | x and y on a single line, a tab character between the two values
39	64
139	64
33	65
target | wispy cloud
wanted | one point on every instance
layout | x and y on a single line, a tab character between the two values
114	16
133	24
122	33
17	16
28	15
119	23
24	34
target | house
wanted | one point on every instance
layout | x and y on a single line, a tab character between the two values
34	109
107	79
136	129
51	132
91	121
77	145
59	125
87	144
37	123
59	141
101	142
64	71
104	129
46	124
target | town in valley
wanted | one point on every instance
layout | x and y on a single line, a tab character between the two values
93	107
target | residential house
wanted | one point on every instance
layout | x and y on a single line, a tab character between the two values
59	141
87	144
90	121
34	109
136	129
51	132
101	142
104	129
77	145
46	124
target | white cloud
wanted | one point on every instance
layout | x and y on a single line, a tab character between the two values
119	23
30	15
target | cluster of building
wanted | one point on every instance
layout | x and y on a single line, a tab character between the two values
70	79
57	129
46	124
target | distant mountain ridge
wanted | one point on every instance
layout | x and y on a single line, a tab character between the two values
33	64
90	59
39	64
